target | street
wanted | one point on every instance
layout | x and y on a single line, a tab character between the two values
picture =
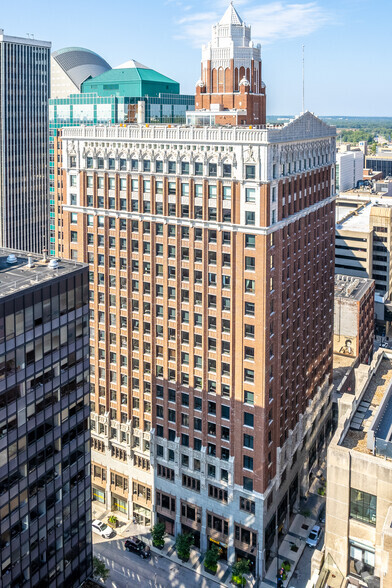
302	572
127	569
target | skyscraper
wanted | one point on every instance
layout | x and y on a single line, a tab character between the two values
24	162
45	483
211	255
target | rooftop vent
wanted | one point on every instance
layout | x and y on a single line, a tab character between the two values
11	259
53	264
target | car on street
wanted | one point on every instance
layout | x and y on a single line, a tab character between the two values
101	529
314	536
137	546
321	517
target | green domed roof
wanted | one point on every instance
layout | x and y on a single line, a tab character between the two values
131	79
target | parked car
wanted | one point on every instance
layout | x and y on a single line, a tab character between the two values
101	529
137	546
321	517
314	536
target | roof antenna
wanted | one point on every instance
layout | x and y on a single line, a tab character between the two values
303	79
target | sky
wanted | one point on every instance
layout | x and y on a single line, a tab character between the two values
348	51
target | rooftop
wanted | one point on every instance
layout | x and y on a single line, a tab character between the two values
341	365
357	220
351	287
20	270
367	406
302	127
79	63
131	79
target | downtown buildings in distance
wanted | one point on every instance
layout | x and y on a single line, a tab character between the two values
24	95
45	482
128	93
211	254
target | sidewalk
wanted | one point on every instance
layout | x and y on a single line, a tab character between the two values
127	528
222	576
294	542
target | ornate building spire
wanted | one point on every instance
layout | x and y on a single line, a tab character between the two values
231	82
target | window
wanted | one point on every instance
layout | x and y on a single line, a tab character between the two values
250	331
198	168
362	559
248	483
212	192
226	170
159	166
250	195
198	190
250	264
250	286
217	493
248	419
226	192
250	241
363	506
248	441
249	375
225	412
250	172
247	505
212	169
171	167
185	167
250	218
248	462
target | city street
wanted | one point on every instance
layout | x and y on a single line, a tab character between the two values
302	572
127	569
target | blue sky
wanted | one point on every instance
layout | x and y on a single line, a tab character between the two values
347	43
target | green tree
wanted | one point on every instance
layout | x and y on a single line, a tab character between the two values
157	533
211	558
183	545
239	571
100	571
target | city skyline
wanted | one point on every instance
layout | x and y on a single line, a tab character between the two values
177	29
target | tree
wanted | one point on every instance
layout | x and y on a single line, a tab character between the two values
183	545
239	570
211	558
157	533
100	571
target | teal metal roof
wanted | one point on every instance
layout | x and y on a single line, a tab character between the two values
131	79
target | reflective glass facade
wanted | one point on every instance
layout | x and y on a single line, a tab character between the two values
45	509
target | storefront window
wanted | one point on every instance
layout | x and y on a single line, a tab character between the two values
99	495
119	504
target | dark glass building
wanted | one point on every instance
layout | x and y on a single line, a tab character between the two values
380	163
45	488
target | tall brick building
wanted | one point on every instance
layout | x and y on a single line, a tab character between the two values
211	255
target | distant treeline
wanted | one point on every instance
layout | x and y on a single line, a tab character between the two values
353	129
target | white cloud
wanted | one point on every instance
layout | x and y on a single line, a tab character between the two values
276	20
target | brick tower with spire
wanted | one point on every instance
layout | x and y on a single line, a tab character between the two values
230	90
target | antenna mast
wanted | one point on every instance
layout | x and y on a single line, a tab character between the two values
303	78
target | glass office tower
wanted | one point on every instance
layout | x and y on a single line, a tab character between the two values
45	508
